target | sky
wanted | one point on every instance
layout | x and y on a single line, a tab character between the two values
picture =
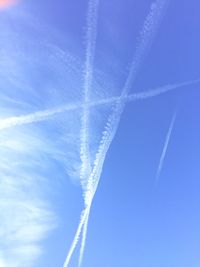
99	133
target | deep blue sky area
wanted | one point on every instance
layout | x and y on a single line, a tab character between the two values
138	218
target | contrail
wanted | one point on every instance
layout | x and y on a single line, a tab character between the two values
83	241
91	34
82	228
48	113
146	37
34	117
166	144
144	94
84	215
158	91
147	34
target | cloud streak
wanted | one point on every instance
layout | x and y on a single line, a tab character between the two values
37	218
77	235
26	216
47	114
91	34
84	236
146	37
166	144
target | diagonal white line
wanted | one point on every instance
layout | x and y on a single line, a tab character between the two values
146	37
91	34
166	144
74	243
49	113
85	171
84	236
147	34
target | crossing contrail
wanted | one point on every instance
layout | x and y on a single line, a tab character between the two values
84	215
147	34
91	34
166	144
83	241
48	113
146	37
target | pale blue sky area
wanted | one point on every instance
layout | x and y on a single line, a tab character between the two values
141	216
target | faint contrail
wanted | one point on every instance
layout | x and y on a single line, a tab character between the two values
158	91
91	34
144	94
166	144
146	37
48	113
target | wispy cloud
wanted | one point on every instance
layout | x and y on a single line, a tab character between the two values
165	147
29	153
23	186
26	216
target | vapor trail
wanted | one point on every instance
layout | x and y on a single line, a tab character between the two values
166	144
146	37
48	113
84	236
83	218
147	34
144	94
34	117
91	34
158	91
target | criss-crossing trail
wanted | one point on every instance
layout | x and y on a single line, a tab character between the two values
91	168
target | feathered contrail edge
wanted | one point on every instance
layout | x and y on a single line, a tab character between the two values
147	34
91	34
48	113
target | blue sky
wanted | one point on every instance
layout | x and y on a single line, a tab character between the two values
68	140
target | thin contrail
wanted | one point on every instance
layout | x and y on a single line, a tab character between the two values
84	236
48	113
77	236
146	37
166	144
158	91
91	34
34	117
